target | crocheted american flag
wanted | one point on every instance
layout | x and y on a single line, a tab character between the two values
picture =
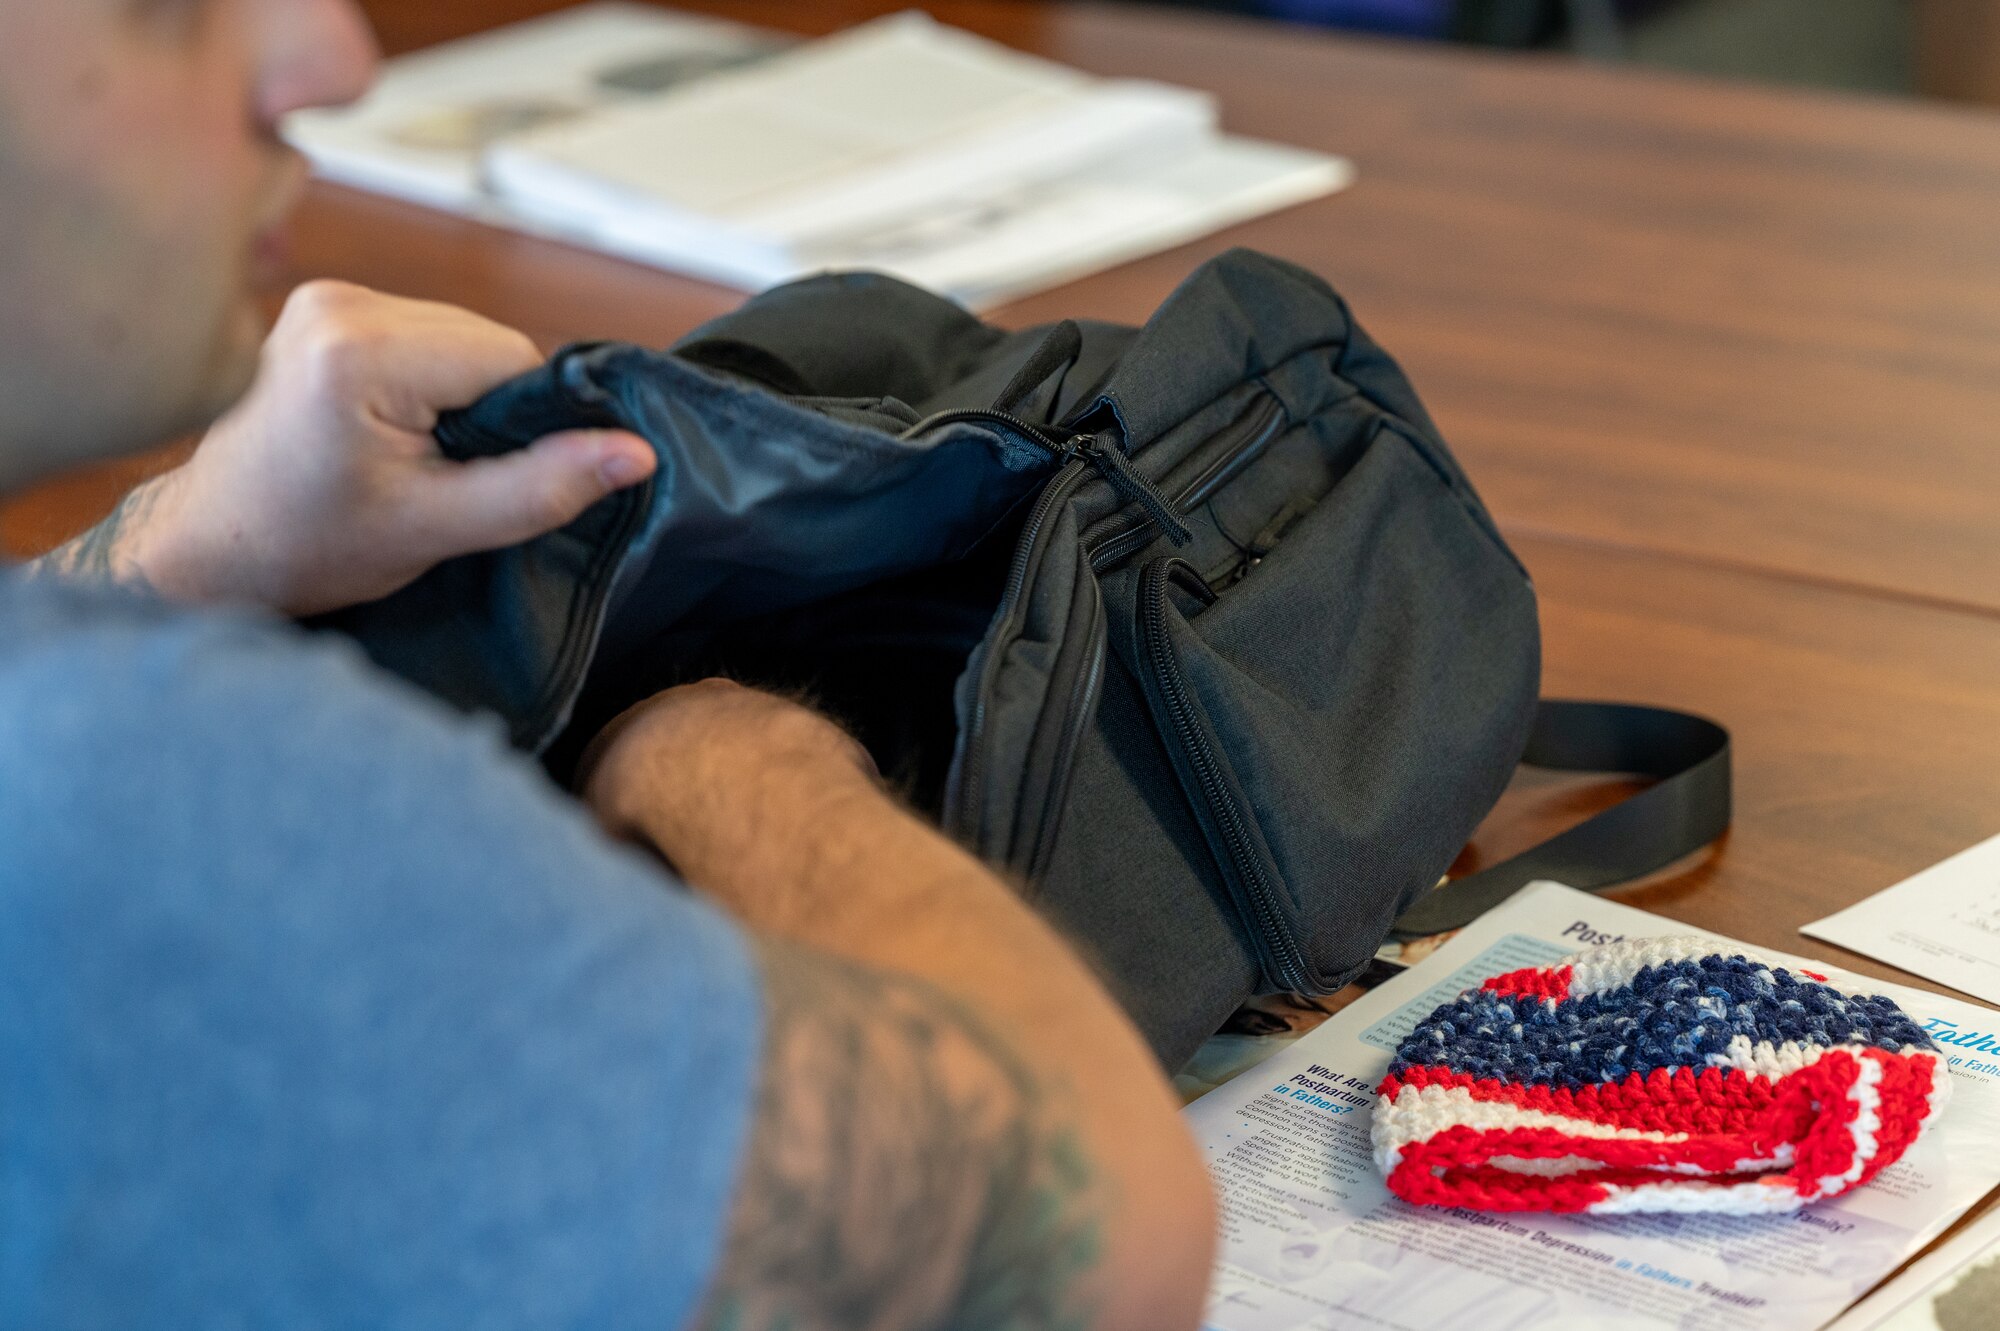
1654	1075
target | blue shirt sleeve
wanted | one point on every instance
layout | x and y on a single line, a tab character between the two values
319	1007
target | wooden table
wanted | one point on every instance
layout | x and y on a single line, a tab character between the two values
1724	361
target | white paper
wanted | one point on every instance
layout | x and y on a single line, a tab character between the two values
1956	1288
1942	924
865	125
901	146
1313	1241
985	250
420	132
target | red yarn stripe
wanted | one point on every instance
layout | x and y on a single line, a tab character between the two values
1449	1170
1533	982
1907	1087
1811	1109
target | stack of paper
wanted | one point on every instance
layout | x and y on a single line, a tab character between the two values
901	146
422	132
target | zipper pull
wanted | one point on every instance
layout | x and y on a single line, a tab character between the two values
1116	468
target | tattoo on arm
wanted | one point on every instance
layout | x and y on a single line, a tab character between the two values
100	554
906	1171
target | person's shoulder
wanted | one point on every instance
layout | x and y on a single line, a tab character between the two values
219	762
97	672
126	723
248	880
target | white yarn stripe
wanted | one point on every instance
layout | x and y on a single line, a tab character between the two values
1419	1112
1714	1198
1612	965
1616	964
1775	1061
1559	1167
1866	1126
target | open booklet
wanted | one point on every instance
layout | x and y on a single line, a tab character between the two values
1313	1241
901	145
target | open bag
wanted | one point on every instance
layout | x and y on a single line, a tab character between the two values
1196	630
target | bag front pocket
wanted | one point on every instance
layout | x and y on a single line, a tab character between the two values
1210	783
1340	713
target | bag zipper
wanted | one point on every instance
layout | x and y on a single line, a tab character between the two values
1079	454
972	775
584	626
1111	462
1033	860
1127	533
1281	952
1035	434
541	722
1131	531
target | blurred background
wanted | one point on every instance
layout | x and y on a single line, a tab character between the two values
1937	48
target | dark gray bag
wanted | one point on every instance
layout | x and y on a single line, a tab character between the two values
1197	629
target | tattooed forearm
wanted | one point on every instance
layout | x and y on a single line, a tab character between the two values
103	554
906	1171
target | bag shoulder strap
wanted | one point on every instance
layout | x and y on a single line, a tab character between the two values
1685	809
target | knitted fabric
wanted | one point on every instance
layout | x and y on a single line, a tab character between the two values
1669	1074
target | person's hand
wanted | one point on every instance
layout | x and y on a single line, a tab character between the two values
323	487
718	776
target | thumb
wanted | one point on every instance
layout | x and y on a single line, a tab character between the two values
491	502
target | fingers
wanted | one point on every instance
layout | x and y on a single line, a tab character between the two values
500	501
398	363
402	360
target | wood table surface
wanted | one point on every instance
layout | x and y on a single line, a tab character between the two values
1725	362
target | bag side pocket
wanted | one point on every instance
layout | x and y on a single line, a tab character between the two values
1341	712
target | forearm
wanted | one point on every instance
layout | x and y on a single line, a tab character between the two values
842	869
110	551
847	870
